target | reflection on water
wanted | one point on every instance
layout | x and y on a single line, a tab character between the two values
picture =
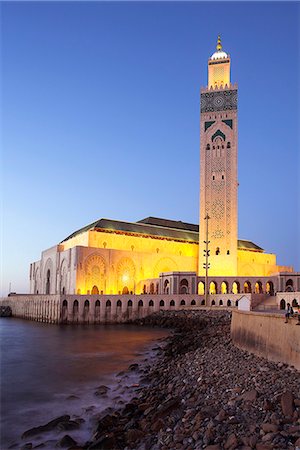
42	364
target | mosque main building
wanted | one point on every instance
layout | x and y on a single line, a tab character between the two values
160	256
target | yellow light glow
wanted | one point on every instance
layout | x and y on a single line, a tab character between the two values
125	278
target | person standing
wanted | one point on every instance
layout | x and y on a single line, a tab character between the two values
289	312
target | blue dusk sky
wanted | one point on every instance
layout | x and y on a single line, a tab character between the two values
100	118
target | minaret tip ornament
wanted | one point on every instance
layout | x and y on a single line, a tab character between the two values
219	45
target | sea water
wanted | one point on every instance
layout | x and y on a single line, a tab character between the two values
51	370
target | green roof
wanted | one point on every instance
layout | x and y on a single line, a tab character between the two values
248	245
141	228
154	226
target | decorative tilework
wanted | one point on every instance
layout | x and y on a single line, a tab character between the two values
219	100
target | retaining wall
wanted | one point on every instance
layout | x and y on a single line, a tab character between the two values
267	335
105	308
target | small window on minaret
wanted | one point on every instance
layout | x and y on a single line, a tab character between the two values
217	250
228	252
228	145
213	177
222	177
214	147
208	147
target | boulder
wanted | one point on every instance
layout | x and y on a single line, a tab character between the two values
47	427
287	403
66	441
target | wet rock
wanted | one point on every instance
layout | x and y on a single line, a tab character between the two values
72	397
102	390
47	427
158	425
263	446
27	446
287	403
250	396
231	442
167	406
106	442
5	311
68	425
269	427
66	441
133	435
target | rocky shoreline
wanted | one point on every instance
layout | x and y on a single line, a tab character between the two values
204	393
201	392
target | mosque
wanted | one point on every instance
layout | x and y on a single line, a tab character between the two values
161	256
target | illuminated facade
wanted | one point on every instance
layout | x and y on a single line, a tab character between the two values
164	256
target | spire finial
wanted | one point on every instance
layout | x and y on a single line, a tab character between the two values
219	45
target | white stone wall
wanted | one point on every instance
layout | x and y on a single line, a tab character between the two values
283	298
105	308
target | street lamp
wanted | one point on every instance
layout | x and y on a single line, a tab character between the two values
206	265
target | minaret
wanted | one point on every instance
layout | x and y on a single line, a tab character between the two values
218	167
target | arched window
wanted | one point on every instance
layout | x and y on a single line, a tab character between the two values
221	303
289	286
75	307
184	286
247	287
152	288
193	302
161	303
151	303
108	304
86	304
258	287
166	287
236	288
294	303
228	302
270	288
228	145
65	303
172	303
95	290
201	287
119	304
202	302
224	287
213	287
182	303
217	250
129	303
236	303
282	304
213	303
48	282
140	303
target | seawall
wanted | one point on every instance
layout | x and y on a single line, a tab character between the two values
267	335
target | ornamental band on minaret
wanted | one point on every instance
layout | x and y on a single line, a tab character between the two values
218	167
